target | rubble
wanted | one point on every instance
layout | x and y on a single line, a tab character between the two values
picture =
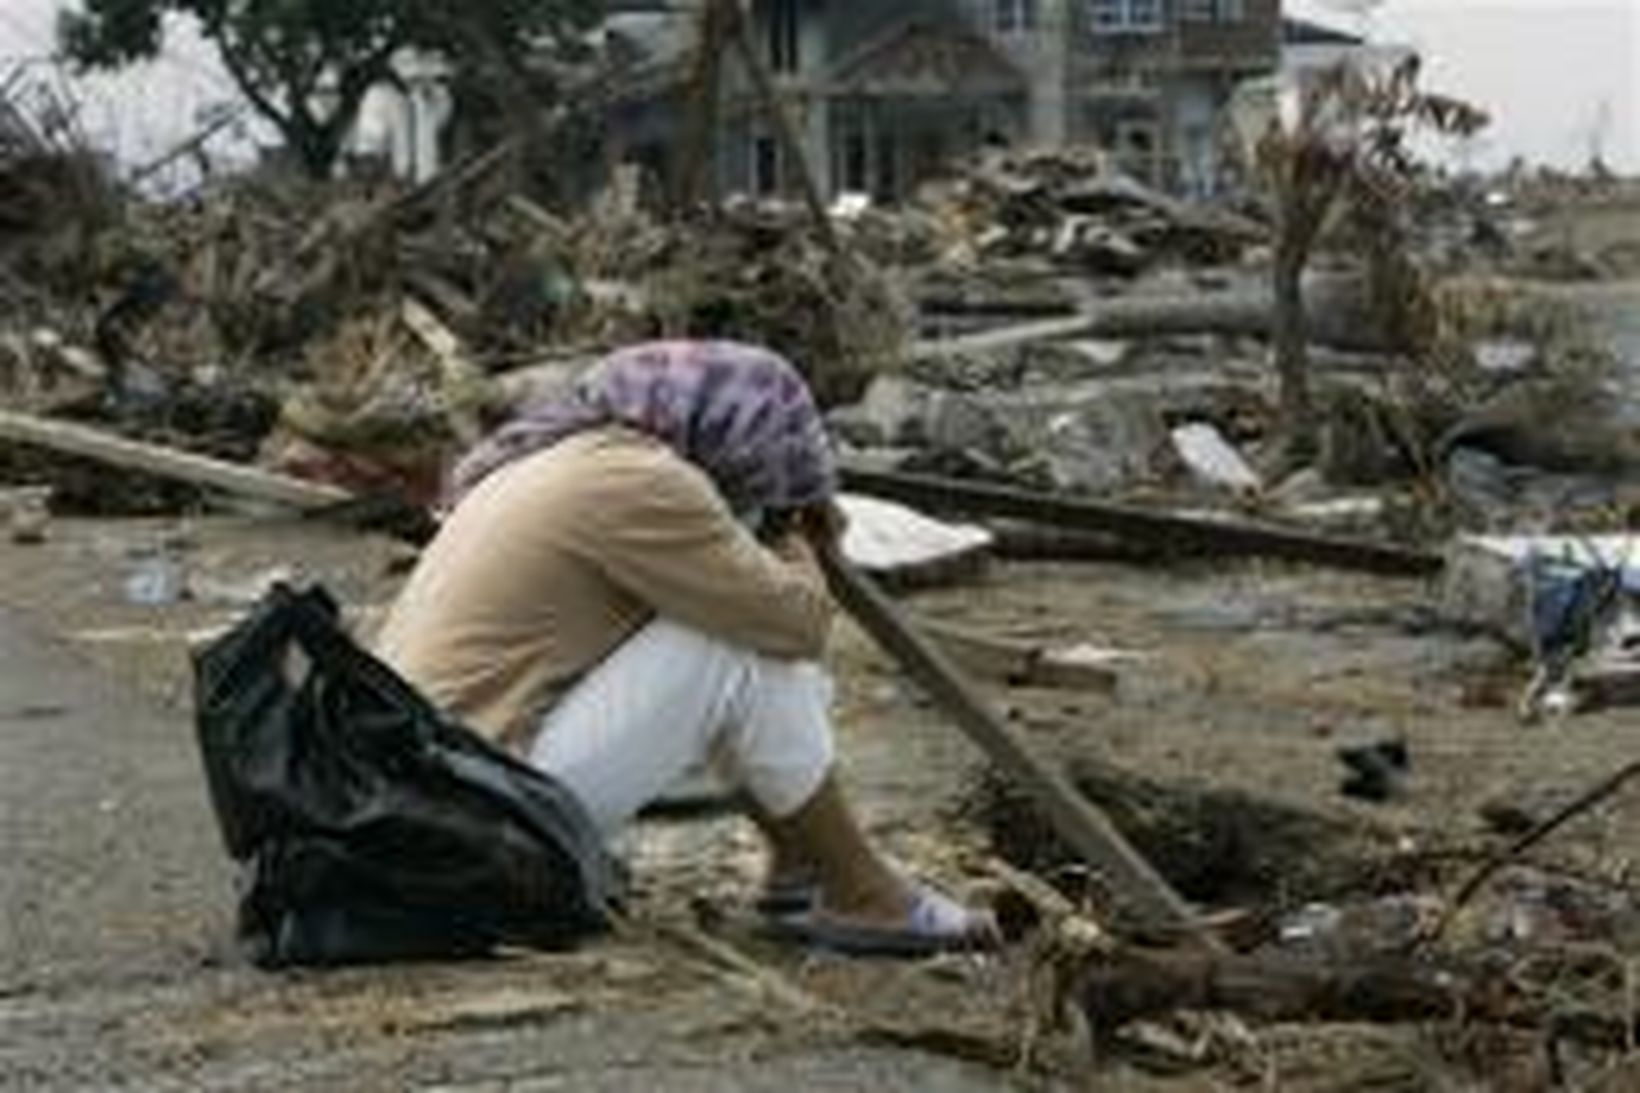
364	333
1077	212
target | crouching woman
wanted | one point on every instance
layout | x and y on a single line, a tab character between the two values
627	589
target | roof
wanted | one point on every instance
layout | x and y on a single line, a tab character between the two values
655	48
920	57
1303	32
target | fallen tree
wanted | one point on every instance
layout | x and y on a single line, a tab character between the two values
1338	317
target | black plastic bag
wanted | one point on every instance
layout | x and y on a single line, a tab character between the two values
368	826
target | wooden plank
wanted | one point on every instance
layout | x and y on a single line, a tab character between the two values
1335	306
1170	532
1023	663
464	381
130	455
1135	883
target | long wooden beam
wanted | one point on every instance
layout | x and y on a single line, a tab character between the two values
1169	532
70	438
1134	881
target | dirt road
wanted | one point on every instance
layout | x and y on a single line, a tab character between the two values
117	969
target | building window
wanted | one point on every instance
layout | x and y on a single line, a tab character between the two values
1138	147
1212	11
785	40
886	169
856	163
1014	16
1125	16
765	166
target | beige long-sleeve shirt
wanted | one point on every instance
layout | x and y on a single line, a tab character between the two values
553	562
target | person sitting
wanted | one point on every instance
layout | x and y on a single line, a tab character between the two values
627	589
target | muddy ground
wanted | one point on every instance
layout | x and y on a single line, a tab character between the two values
1244	676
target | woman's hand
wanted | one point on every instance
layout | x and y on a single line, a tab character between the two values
823	525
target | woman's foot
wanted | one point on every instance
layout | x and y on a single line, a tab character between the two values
920	921
794	892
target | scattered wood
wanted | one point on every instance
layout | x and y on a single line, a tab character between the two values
464	379
937	304
1170	533
1137	886
1024	541
450	300
1336	321
999	1053
1121	985
1599	793
770	984
493	1011
197	470
766	981
1025	663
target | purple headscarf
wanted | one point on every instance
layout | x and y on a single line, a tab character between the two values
741	414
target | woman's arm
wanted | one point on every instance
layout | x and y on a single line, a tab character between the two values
667	538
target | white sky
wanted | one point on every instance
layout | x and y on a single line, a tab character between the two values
140	114
1552	73
1558	76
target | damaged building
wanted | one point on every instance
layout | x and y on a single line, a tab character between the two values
886	97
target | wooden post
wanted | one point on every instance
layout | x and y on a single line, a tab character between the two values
785	132
1084	827
697	159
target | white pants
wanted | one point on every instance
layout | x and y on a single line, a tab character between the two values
674	699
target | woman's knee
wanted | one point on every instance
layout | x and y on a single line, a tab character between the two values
699	646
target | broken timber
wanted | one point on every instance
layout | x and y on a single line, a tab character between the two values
1126	984
461	376
1166	531
1336	319
1024	663
1083	827
69	438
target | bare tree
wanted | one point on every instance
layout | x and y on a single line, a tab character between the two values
1345	162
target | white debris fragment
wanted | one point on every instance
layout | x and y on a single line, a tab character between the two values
1211	458
883	537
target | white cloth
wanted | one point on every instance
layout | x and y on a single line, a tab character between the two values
672	699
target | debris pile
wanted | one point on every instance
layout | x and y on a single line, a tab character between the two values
1078	213
362	334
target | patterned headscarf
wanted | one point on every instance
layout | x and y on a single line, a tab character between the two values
741	414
